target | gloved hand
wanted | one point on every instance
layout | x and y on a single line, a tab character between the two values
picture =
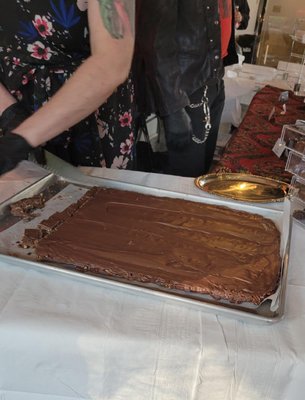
178	130
13	149
12	117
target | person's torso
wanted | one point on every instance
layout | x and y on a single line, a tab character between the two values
43	32
199	43
197	39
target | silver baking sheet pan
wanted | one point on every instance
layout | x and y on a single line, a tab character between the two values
60	193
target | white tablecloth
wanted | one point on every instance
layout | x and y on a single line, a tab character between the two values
65	338
241	84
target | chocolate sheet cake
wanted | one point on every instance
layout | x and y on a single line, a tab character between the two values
172	243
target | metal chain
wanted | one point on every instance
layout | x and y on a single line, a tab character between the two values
207	117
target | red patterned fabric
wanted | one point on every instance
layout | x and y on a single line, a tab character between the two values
250	148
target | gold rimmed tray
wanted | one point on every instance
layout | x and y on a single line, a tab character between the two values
243	187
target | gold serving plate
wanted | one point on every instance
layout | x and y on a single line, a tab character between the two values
243	187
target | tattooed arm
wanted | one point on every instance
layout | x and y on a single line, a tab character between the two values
116	15
111	25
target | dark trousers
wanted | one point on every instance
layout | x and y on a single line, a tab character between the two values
196	159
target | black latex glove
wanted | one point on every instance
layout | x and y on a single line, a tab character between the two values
13	149
13	116
178	130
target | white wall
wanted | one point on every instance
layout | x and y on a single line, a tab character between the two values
286	11
289	10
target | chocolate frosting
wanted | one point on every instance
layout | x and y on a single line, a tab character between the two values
172	243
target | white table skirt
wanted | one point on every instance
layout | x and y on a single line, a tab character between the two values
242	83
65	338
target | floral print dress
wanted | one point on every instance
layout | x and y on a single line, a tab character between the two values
42	42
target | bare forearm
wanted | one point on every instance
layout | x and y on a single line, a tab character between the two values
111	27
87	89
95	80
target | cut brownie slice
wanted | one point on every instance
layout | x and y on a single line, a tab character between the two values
24	208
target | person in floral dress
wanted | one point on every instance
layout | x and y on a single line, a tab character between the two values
75	53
